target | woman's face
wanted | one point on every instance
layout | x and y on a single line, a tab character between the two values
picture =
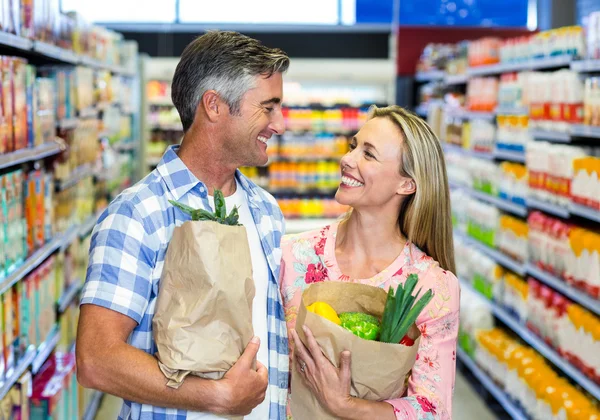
371	169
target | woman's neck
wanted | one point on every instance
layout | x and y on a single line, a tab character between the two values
370	236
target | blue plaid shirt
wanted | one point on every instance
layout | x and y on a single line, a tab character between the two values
127	253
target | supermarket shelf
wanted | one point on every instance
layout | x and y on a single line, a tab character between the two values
161	102
88	225
553	136
57	53
569	291
15	373
449	147
45	350
491	386
153	160
549	208
471	115
31	263
77	175
27	155
502	204
422	110
586	66
456	79
588	131
294	226
68	123
91	112
68	296
69	237
166	127
430	76
535	64
92	408
125	146
509	155
585	212
15	41
501	110
496	255
545	350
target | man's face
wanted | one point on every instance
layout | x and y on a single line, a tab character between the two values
260	118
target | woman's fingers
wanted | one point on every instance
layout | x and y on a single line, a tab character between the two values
302	355
313	347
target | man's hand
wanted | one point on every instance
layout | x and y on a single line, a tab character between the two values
243	386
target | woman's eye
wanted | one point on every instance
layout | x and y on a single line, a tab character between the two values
369	155
269	110
352	146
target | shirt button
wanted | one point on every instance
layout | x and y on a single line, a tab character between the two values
202	189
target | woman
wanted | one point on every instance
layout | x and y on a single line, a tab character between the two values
394	180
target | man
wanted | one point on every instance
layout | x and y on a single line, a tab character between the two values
227	89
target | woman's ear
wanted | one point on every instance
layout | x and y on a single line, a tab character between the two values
408	186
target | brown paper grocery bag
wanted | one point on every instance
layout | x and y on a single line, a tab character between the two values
203	316
379	370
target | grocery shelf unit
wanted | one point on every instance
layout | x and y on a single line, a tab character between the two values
40	53
576	134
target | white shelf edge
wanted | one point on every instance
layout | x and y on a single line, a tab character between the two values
67	298
430	76
45	349
553	209
552	136
28	155
508	206
509	155
585	212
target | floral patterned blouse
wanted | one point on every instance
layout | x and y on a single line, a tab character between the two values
310	257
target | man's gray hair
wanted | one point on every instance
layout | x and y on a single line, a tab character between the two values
227	62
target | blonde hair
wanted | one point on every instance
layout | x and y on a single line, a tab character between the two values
425	217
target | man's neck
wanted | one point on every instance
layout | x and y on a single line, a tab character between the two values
202	156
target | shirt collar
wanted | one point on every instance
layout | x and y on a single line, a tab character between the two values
180	180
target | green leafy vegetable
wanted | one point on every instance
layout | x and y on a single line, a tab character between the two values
401	311
219	216
362	325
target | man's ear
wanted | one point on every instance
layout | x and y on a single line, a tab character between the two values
212	106
408	186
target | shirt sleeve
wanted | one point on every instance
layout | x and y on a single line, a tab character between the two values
431	385
121	261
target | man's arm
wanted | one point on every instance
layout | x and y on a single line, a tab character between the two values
105	361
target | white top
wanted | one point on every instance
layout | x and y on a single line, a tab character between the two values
260	273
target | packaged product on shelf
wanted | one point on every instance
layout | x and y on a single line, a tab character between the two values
482	135
25	319
513	132
512	185
482	94
549	246
579	340
84	88
556	100
45	117
51	392
23	389
583	262
483	222
103	93
515	293
485	176
9	321
550	169
64	88
20	103
484	51
512	236
545	308
475	316
7	105
458	169
585	188
459	200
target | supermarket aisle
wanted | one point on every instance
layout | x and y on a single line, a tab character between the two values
467	404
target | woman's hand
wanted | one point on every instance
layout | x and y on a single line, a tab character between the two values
329	384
